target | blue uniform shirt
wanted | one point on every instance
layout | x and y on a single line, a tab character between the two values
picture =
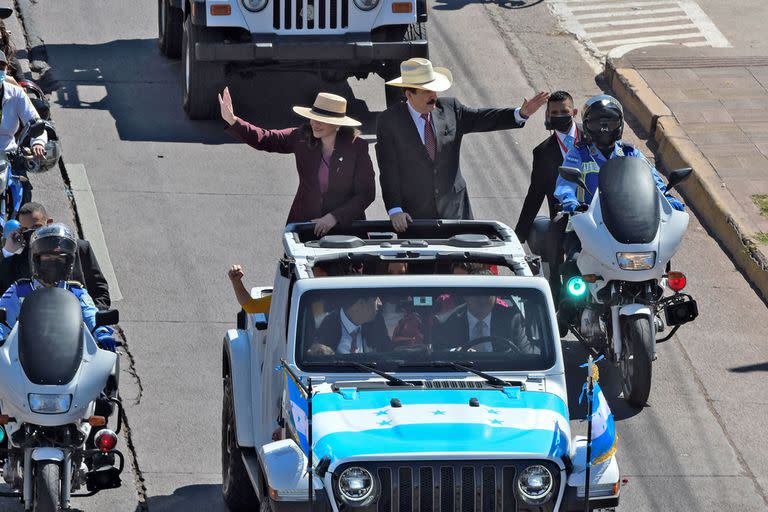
13	297
589	159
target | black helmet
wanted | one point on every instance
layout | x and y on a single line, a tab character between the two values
54	240
603	120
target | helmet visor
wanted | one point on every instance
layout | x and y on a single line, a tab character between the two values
603	123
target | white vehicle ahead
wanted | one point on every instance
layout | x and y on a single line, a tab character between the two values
412	411
337	38
51	376
612	301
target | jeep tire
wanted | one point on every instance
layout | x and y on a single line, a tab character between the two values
391	68
202	81
170	27
235	482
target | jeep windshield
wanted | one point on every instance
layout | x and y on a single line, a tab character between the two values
420	329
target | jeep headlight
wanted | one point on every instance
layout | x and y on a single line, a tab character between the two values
636	260
535	484
366	5
49	404
255	5
357	486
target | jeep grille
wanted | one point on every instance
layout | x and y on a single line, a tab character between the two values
329	15
448	486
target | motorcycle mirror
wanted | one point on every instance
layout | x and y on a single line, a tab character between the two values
571	174
37	128
678	176
108	317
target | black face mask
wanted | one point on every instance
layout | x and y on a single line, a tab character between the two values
27	235
51	272
559	123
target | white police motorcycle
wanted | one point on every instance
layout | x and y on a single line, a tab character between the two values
612	299
52	376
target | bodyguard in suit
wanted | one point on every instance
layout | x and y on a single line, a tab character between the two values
547	157
356	327
419	142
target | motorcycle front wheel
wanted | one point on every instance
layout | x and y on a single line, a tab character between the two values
47	490
636	360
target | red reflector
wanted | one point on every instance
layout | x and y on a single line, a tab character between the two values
105	440
402	7
676	281
221	10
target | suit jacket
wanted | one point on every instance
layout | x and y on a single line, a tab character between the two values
547	157
351	181
374	332
506	322
86	271
409	179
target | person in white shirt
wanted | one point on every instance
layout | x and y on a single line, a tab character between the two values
16	109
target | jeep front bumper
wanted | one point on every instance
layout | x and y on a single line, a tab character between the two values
287	49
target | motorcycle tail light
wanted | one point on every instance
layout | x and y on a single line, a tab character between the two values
105	440
676	281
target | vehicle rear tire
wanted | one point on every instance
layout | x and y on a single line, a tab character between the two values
47	491
202	81
411	32
235	482
636	361
170	27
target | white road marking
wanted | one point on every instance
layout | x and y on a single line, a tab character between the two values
635	24
91	224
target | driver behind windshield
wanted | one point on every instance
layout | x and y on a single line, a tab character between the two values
356	327
483	324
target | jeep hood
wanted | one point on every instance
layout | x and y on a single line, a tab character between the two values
369	424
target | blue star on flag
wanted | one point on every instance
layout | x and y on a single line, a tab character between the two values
384	423
438	413
493	411
381	413
496	422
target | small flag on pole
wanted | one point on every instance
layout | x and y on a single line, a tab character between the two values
299	411
603	428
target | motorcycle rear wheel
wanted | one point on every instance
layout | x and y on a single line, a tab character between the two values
636	361
47	492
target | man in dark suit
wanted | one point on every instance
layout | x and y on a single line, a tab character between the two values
418	144
482	319
356	327
15	260
547	157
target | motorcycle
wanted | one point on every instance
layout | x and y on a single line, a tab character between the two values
37	97
613	294
57	390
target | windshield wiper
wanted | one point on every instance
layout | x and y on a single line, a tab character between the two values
495	381
391	378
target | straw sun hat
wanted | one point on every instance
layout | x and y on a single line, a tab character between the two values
418	73
328	108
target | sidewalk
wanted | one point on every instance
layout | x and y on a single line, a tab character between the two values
707	108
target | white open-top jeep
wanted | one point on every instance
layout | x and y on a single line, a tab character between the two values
338	38
392	390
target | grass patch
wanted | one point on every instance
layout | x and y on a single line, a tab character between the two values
761	201
762	238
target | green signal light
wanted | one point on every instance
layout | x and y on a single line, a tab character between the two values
576	286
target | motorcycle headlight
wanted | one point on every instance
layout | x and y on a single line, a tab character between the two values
357	486
49	404
535	484
366	5
255	5
636	260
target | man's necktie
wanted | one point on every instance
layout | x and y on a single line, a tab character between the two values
479	330
568	141
353	348
429	137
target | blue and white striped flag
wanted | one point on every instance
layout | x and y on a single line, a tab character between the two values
298	412
604	436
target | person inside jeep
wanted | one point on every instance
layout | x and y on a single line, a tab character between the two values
356	327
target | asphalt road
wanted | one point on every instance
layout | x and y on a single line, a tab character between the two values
179	201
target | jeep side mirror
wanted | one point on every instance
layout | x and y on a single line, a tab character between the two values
571	174
678	176
108	317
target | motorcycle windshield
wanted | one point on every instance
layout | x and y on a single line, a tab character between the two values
629	201
50	336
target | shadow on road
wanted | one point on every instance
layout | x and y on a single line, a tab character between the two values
190	498
142	91
758	367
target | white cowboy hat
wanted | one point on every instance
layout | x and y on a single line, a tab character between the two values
328	108
418	73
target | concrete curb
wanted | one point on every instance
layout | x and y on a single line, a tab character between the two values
15	26
703	190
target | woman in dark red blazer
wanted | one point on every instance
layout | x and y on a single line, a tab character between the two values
336	179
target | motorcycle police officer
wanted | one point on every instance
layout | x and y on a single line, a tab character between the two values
603	124
52	255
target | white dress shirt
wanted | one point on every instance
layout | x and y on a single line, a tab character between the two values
347	328
16	109
472	320
421	124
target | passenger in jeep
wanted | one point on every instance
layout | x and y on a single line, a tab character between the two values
356	327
